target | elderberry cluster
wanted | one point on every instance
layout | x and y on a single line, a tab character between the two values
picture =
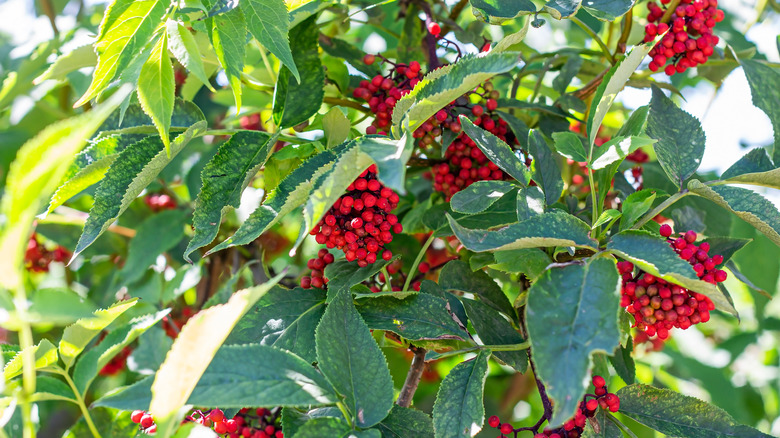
360	222
37	258
159	201
317	265
658	306
382	92
247	423
575	426
689	41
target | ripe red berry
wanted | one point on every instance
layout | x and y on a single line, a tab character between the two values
507	428
135	417
146	420
599	382
434	28
369	59
666	230
494	421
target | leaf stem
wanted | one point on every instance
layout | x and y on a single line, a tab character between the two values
417	261
26	343
80	402
348	103
507	347
412	377
661	207
596	208
596	38
345	413
267	64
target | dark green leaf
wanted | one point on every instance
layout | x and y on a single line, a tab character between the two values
499	11
607	10
755	161
228	36
493	329
479	196
680	138
689	218
455	307
545	168
726	246
617	149
344	50
518	127
322	427
572	312
135	121
501	213
267	21
295	100
456	275
108	422
675	414
602	426
406	423
635	124
560	9
530	261
497	151
765	88
352	361
623	363
459	410
636	205
343	275
570	146
417	317
530	202
154	236
150	352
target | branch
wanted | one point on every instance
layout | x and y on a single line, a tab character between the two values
454	14
345	102
412	378
591	86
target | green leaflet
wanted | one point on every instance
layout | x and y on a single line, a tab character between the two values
754	168
135	121
50	388
479	196
680	138
765	89
493	329
224	179
607	10
156	88
499	11
155	235
456	275
459	410
530	203
572	311
45	355
184	47
406	423
636	205
674	414
570	146
228	36
77	58
545	168
497	151
606	426
126	28
322	427
616	150
127	177
267	21
418	317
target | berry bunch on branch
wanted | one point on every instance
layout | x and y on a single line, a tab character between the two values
246	423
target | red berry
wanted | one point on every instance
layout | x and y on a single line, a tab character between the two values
666	230
507	428
494	421
434	28
146	420
369	59
599	382
135	417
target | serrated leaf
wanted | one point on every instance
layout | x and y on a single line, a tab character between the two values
616	150
418	317
147	357
571	313
544	230
185	49
456	275
406	423
493	329
459	410
228	36
654	255
570	146
607	217
352	361
193	350
45	354
156	88
49	388
530	202
133	120
636	205
75	337
499	11
127	27
607	10
322	427
284	319
675	414
680	138
747	204
224	179
546	172
127	177
78	58
336	126
623	363
610	86
764	85
297	100
497	151
480	195
267	21
530	261
154	236
445	84
754	168
96	358
560	9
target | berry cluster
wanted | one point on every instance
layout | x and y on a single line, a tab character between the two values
690	41
173	324
247	423
144	420
382	92
37	258
317	265
574	427
117	363
360	222
659	306
159	201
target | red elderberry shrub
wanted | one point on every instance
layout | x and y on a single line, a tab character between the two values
37	257
360	222
689	40
658	306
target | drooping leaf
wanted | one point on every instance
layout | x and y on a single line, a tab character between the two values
607	10
459	410
45	354
352	361
546	172
530	202
764	88
544	230
480	195
754	168
499	11
406	423
571	313
497	151
154	236
127	177
560	9
78	58
417	317
654	255
224	179
570	146
184	47
674	414
126	29
636	205
268	21
681	140
623	363
493	329
617	149
228	36
456	275
156	88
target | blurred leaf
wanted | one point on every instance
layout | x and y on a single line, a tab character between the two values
78	58
322	427
336	126
623	363
150	353
108	422
76	336
45	355
154	236
459	410
58	307
499	11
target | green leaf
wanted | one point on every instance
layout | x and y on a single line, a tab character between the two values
184	47
479	196
228	36
544	230
747	204
570	146
560	9
654	255
674	414
126	29
96	358
193	350
38	168
497	151
76	336
352	361
636	205
154	236
456	275
445	84
268	22
726	246
530	261
608	10
499	11
418	317
58	307
343	50
49	388
680	138
574	63
284	319
322	427
156	88
765	89
518	127
455	308
406	423
108	422
336	126
604	422
513	38
607	217
530	202
459	410
150	352
623	363
616	150
571	313
127	177
45	355
78	58
754	168
545	168
610	86
135	121
224	179
343	275
493	329
297	100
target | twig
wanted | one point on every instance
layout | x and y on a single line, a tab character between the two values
591	86
48	10
345	102
595	37
412	377
454	14
628	20
430	40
